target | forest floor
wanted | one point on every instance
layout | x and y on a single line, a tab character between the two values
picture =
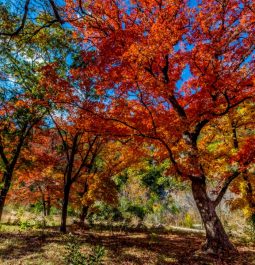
48	246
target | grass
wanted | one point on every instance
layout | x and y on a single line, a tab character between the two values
48	247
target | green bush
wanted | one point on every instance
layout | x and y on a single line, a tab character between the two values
174	209
137	210
97	254
104	212
24	225
36	208
39	224
250	229
75	257
188	220
71	211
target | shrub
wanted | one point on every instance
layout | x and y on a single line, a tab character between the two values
75	257
137	210
97	254
39	224
36	208
24	225
250	228
188	221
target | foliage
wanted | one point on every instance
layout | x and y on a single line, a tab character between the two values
127	100
24	225
75	257
188	221
101	211
137	210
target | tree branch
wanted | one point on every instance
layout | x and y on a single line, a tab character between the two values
24	18
64	142
4	158
149	111
84	160
71	161
194	135
56	13
224	188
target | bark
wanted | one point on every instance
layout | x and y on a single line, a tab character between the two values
234	135
44	208
249	194
83	214
7	177
84	210
64	207
48	206
68	183
43	201
217	241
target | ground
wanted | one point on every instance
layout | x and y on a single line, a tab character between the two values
48	246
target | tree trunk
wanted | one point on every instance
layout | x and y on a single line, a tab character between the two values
84	210
43	200
83	214
64	207
48	206
3	193
217	241
44	207
249	193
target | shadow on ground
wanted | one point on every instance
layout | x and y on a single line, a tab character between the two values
129	247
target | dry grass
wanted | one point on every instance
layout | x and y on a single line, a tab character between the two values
35	246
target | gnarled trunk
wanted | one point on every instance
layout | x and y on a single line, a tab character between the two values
217	241
3	192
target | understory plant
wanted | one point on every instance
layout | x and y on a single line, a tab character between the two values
74	255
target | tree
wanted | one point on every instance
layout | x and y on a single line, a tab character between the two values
113	158
146	188
47	14
228	143
241	123
171	69
79	149
39	178
14	135
22	107
243	128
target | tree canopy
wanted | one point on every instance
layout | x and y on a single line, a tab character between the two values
91	88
